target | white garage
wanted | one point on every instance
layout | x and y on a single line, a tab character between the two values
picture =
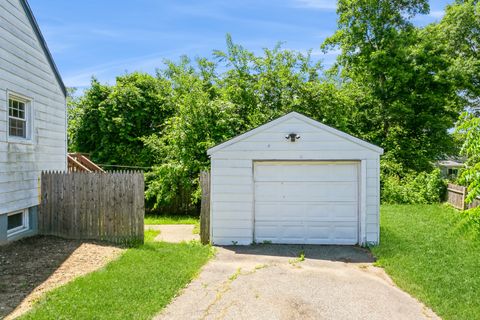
294	181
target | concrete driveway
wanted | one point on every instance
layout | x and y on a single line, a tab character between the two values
272	282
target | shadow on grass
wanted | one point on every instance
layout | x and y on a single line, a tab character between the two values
27	263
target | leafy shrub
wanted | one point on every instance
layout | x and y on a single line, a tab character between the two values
413	188
474	219
469	128
182	150
469	225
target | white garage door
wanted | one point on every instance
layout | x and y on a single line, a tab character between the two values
306	202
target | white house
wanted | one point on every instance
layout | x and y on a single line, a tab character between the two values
295	180
450	167
32	118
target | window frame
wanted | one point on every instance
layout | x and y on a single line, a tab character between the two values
28	118
25	222
452	171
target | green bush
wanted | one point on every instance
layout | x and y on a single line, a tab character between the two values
470	223
413	188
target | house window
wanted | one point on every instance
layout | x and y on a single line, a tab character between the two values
18	117
17	222
452	172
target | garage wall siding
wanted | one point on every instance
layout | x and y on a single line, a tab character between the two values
25	71
232	201
373	200
232	194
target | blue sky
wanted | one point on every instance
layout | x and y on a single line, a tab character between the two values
106	38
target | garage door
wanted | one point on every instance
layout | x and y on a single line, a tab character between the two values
306	202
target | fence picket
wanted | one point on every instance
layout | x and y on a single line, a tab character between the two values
456	196
99	206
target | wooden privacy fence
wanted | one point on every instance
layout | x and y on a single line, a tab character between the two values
205	207
99	206
456	196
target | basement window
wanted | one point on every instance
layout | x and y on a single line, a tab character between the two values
17	222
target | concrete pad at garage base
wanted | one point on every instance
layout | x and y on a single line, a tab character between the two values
272	282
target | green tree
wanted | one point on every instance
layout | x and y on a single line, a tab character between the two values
212	107
469	127
459	30
200	121
264	87
408	101
114	119
74	116
85	118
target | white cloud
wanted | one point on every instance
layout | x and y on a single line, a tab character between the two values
433	16
317	4
107	72
438	14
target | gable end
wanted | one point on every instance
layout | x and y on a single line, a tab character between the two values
301	117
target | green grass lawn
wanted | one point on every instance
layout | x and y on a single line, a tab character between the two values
428	255
136	286
157	219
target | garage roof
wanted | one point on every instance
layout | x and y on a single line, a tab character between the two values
299	117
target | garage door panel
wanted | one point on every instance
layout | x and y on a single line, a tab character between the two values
266	231
284	232
303	172
313	234
332	241
271	212
306	191
312	211
335	211
291	232
305	202
318	233
345	233
338	234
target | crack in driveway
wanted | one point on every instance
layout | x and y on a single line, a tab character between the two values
227	286
259	282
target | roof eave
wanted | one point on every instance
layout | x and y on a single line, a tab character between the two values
41	39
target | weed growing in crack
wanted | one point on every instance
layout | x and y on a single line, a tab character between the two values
300	258
235	275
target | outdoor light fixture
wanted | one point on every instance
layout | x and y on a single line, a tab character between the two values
292	137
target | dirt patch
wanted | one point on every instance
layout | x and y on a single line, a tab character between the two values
33	266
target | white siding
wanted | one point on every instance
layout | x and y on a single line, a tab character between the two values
373	200
25	70
232	201
232	195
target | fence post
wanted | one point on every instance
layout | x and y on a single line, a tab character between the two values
205	207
